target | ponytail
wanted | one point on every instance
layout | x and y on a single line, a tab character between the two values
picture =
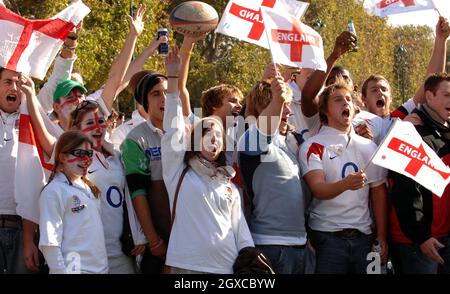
94	189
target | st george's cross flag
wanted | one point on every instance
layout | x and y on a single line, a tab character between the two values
404	151
242	19
29	46
384	8
292	42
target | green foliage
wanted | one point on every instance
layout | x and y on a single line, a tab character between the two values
103	35
220	59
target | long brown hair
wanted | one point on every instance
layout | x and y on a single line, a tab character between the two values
67	142
202	127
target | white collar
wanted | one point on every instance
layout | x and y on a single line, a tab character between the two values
61	177
153	128
336	141
6	115
136	116
326	130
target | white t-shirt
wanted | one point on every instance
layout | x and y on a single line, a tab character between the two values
108	175
333	152
305	126
9	131
70	219
122	131
375	123
209	227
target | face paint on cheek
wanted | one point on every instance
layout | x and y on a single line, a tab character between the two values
96	125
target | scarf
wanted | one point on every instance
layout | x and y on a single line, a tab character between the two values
205	167
436	121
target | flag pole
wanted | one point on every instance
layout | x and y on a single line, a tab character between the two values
435	8
270	46
379	145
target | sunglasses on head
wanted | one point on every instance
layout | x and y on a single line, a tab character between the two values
82	105
81	153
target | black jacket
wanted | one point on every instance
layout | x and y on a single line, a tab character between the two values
414	203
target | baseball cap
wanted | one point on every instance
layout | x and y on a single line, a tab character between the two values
63	89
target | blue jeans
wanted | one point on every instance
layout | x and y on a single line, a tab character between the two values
335	255
285	259
409	259
11	252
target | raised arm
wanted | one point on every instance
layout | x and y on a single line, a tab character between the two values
61	70
310	100
45	139
117	72
269	119
437	60
185	53
138	63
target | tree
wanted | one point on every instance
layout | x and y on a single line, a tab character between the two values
221	59
104	32
410	66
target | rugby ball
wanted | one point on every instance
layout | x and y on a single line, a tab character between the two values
193	18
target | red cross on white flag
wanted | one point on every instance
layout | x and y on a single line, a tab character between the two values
384	8
242	19
404	151
29	46
292	42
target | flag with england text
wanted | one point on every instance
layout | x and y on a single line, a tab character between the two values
384	8
242	18
29	46
404	151
292	42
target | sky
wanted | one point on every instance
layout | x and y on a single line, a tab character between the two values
424	17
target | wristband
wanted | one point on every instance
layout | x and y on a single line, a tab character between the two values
156	245
64	46
187	52
172	77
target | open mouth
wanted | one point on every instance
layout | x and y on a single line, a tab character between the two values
346	113
11	98
235	113
380	103
284	120
162	109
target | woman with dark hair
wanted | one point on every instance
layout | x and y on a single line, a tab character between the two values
208	227
71	231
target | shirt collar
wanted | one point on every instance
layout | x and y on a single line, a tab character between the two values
6	115
153	128
136	116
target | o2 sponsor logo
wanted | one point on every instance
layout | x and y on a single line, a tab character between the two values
351	167
114	197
